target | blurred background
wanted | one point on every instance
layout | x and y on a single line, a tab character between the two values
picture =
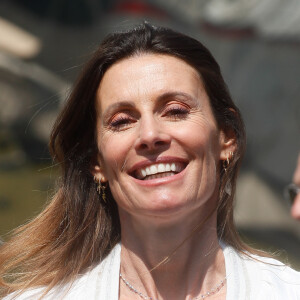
43	45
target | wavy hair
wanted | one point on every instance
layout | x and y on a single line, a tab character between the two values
77	230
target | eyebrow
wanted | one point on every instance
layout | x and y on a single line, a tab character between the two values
130	104
115	106
172	94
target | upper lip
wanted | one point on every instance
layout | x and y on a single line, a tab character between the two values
146	163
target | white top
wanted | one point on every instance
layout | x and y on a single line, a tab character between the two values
247	279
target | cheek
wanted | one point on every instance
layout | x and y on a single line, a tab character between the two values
203	145
199	141
295	210
199	132
114	149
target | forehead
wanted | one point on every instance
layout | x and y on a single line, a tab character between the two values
146	76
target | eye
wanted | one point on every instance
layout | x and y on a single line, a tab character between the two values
120	122
176	111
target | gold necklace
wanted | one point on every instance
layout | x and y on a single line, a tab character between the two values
203	296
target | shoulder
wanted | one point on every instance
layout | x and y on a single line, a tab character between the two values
28	295
263	276
90	285
276	276
271	268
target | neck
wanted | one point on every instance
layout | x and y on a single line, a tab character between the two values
155	254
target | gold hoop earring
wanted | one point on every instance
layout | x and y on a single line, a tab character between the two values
100	188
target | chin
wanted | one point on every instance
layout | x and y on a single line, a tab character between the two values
167	207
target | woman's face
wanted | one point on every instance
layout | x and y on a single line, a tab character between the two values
159	144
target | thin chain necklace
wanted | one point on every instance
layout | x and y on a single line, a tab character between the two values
207	294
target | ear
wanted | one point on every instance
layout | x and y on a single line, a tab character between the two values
228	143
97	171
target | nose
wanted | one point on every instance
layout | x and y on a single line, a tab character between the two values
152	135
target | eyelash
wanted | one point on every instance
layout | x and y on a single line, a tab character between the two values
177	112
119	123
172	112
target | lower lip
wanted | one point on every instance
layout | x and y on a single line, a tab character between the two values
160	181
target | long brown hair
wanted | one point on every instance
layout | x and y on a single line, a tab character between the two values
77	230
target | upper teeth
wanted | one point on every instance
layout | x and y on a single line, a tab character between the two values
159	168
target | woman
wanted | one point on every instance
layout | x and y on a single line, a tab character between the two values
293	192
149	145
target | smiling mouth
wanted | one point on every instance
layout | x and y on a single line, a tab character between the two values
159	170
